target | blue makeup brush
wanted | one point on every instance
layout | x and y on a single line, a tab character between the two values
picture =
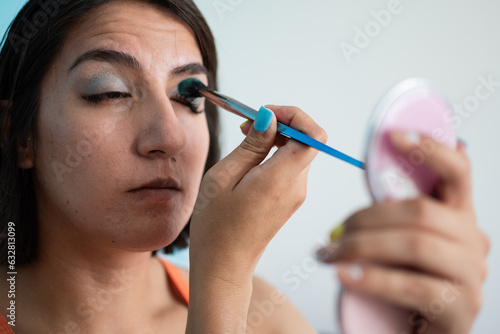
192	88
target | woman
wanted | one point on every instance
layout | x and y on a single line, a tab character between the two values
102	163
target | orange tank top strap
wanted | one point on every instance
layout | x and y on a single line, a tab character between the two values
177	282
4	326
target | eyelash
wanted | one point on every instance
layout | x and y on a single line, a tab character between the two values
191	103
98	98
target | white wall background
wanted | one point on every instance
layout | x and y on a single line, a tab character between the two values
287	52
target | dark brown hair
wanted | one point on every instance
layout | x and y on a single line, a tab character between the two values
30	46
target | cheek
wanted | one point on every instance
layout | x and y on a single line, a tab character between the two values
196	152
68	149
200	140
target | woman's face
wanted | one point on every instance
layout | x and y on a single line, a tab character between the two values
119	158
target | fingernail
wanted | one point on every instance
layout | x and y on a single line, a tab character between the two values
264	119
337	233
353	271
270	105
409	138
244	123
328	253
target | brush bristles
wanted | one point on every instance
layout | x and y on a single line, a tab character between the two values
190	88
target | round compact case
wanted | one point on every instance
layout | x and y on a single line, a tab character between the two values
414	106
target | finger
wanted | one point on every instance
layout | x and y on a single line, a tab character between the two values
246	126
422	214
278	142
295	154
252	151
451	166
431	296
421	251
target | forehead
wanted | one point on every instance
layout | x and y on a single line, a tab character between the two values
158	39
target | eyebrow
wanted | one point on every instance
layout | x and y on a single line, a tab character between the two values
122	58
110	56
190	69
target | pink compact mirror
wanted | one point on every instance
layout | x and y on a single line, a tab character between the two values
415	106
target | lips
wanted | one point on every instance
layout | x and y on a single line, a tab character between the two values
160	183
158	191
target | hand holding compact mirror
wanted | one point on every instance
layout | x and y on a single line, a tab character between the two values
413	106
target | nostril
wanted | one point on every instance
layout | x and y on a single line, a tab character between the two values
156	152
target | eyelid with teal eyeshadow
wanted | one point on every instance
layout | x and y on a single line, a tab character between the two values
104	83
110	87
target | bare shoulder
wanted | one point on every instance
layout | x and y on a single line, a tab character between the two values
271	312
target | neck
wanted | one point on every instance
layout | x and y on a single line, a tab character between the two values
97	290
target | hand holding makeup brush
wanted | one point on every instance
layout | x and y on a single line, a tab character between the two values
241	206
246	198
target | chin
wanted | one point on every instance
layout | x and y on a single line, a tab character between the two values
151	237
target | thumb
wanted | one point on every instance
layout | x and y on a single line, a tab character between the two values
254	148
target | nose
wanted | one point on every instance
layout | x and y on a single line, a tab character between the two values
162	134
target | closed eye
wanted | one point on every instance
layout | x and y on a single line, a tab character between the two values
98	98
194	104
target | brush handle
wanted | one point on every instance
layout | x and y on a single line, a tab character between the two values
245	111
305	139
